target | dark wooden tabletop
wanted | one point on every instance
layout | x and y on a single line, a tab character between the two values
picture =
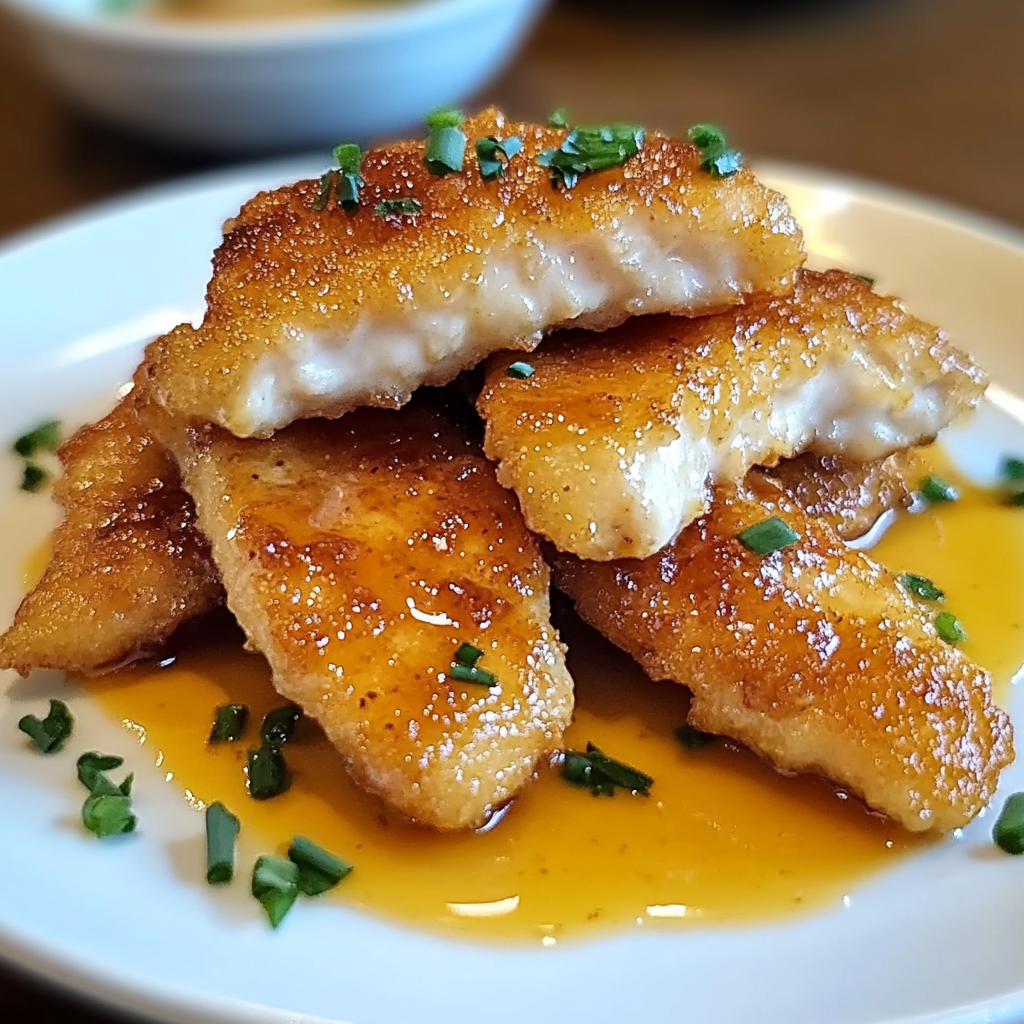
926	94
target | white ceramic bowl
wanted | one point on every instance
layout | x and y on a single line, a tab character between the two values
275	84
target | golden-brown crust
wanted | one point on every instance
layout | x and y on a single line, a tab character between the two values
813	656
127	565
358	555
285	270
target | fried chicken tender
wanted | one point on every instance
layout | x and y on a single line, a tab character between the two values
127	565
317	312
813	656
614	443
358	555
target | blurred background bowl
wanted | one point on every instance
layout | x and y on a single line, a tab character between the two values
269	85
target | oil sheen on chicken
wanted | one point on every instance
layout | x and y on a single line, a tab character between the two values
314	313
615	441
813	656
358	555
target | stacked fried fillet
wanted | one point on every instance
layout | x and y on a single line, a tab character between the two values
691	380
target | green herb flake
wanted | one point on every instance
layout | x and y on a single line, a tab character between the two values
33	478
601	774
229	723
268	773
493	154
693	739
221	833
446	143
50	733
1016	499
587	150
867	279
445	117
275	884
398	208
91	767
350	179
1008	831
1011	469
768	536
472	674
324	195
935	490
468	655
949	628
108	814
559	118
318	869
716	157
520	371
922	587
280	724
45	438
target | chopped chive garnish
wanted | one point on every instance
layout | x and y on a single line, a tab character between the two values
108	814
1016	499
767	536
716	157
693	739
520	370
601	774
936	490
586	150
867	279
229	723
268	773
275	885
91	767
1008	831
398	208
559	118
221	833
318	869
45	438
948	627
446	144
33	478
326	184
493	154
350	178
280	724
1012	469
922	587
472	674
468	655
50	733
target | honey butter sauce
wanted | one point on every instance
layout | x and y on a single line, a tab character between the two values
722	837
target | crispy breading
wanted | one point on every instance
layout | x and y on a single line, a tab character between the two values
850	496
358	555
615	441
813	656
314	313
127	566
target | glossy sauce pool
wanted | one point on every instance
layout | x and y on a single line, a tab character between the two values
722	837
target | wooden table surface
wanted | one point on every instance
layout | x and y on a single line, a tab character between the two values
926	94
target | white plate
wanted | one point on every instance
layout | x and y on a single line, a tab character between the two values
939	937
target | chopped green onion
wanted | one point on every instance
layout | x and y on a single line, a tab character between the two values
768	536
33	478
493	154
280	724
229	723
586	150
275	885
472	674
867	279
326	183
398	208
693	739
45	438
1012	469
948	627
50	733
350	180
1016	499
1008	831
468	655
91	767
922	587
446	144
559	118
108	814
715	155
318	869
221	833
936	490
268	773
520	370
596	771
